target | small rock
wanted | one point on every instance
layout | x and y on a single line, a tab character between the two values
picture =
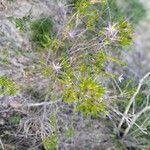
2	121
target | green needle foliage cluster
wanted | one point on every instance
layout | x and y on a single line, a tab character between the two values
7	86
50	143
42	30
21	23
87	96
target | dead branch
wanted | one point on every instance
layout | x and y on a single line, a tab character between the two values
135	118
133	99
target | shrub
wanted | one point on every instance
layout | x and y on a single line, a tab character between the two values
74	70
50	143
42	32
8	86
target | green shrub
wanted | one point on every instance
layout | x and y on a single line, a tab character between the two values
7	86
42	32
21	23
70	132
76	68
15	119
78	79
50	143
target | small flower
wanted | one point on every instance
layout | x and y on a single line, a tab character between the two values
111	30
56	67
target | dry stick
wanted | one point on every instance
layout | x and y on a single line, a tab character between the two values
134	120
44	115
120	90
132	99
2	145
40	104
77	44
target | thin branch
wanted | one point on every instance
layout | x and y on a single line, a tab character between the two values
40	104
134	119
120	90
2	145
133	99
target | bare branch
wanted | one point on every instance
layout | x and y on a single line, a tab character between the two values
2	145
134	119
133	99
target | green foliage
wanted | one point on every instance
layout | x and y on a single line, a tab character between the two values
21	23
42	31
89	87
45	69
5	61
89	14
56	44
15	119
92	63
113	13
119	145
94	14
91	108
82	6
50	143
83	89
116	60
134	9
125	32
90	94
87	93
52	120
77	77
77	3
129	87
7	86
70	132
119	33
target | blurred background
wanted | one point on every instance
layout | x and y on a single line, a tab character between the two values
138	57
